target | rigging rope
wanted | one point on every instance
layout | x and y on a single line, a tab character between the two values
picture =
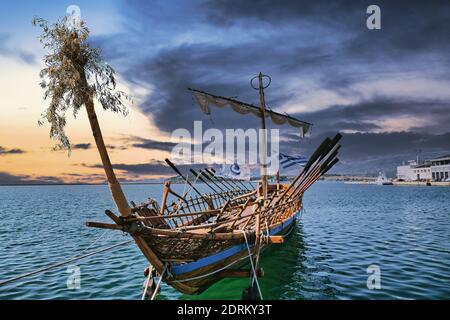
147	282
190	187
159	283
44	269
92	244
212	272
255	276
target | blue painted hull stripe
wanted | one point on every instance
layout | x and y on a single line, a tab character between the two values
178	269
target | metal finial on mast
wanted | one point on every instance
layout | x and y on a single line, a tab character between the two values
261	88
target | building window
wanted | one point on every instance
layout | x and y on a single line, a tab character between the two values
433	175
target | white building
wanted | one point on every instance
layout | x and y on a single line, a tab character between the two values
423	172
440	168
406	172
436	169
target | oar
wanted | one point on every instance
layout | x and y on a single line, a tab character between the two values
230	181
197	175
225	183
324	148
212	181
215	180
174	168
317	170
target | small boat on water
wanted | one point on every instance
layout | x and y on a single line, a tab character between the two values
195	241
383	180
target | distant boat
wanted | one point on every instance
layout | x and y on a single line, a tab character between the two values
382	180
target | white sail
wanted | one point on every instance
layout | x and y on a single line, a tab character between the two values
206	100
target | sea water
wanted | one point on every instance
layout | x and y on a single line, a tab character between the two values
349	238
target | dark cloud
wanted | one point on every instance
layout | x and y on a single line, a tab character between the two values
307	47
408	24
363	116
369	153
81	146
153	167
143	143
335	58
10	179
4	151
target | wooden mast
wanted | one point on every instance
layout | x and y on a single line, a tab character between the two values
264	136
114	185
263	180
116	190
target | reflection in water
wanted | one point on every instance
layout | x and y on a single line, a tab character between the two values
289	273
280	263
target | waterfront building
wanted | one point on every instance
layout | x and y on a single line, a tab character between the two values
440	168
437	169
406	172
423	172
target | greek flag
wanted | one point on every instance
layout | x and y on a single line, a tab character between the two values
289	161
236	171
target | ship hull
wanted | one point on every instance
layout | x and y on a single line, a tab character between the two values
196	276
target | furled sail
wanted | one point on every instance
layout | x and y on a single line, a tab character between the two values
205	100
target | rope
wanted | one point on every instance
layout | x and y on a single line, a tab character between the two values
185	184
159	283
190	187
44	269
210	273
91	245
150	270
255	276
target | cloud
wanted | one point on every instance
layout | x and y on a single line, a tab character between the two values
4	151
138	142
11	179
153	167
308	47
369	153
81	146
7	49
327	67
375	115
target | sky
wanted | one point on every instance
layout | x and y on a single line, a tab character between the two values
385	90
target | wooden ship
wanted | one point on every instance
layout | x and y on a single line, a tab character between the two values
202	237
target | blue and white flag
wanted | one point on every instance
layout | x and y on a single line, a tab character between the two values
289	161
236	171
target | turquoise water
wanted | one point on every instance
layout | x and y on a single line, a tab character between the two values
405	231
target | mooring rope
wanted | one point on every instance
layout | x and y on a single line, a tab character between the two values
190	187
255	276
210	273
159	283
150	270
44	269
92	244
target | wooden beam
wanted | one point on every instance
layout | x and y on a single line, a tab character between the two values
103	225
